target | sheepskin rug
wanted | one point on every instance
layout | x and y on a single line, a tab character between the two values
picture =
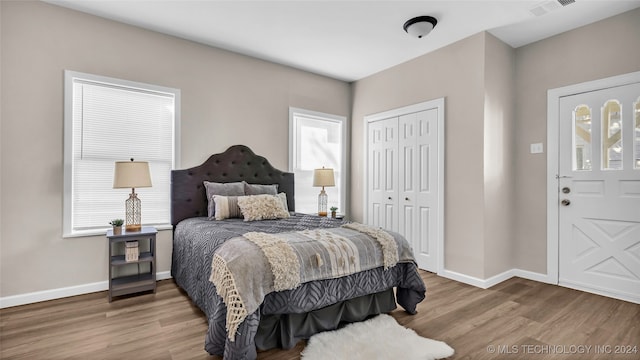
380	337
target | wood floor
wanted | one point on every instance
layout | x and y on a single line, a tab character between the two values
518	319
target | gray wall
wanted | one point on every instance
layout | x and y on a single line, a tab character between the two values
599	50
499	166
495	198
495	107
226	99
455	72
475	76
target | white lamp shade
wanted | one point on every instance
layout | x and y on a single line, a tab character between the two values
131	174
323	177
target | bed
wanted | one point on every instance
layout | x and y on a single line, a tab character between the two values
284	317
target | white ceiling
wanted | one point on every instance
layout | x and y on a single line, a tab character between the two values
347	40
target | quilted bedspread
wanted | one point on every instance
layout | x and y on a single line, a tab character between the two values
196	240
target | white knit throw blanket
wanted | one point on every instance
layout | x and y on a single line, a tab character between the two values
243	275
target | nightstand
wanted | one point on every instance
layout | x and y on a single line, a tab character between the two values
120	263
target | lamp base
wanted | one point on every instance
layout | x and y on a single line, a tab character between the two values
133	227
322	203
132	206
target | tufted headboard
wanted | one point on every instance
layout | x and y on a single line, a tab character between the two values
237	163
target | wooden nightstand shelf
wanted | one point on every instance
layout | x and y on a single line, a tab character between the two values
122	285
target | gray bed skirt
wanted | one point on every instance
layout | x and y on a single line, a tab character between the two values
286	330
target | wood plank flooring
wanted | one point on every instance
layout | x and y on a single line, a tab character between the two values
517	319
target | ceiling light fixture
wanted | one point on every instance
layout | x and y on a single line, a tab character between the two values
420	26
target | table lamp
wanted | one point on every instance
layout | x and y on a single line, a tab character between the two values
132	174
323	177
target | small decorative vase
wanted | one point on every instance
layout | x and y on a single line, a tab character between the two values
117	230
333	214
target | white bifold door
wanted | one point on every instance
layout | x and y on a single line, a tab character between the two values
599	191
402	180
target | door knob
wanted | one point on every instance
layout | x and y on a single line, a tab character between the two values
389	197
565	202
566	190
406	198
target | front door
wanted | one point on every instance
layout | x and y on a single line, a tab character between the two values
599	191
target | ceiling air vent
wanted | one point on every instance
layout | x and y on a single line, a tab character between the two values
566	2
548	6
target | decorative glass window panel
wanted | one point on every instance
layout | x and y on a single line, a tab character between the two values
636	111
582	138
317	140
612	136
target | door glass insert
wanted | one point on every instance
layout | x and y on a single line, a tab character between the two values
612	136
582	138
636	145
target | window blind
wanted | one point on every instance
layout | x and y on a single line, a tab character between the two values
115	122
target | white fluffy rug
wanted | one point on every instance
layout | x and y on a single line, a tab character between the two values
380	337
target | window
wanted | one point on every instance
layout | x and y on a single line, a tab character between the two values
612	136
582	138
109	120
317	140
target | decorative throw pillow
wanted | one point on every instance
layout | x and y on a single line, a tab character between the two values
226	207
224	189
261	207
258	189
283	199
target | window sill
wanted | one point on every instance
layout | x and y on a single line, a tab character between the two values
103	232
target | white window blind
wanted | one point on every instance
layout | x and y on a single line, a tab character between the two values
317	140
108	120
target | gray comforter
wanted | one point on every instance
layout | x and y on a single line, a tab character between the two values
195	241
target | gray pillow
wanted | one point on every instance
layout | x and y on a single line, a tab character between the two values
257	189
283	197
224	189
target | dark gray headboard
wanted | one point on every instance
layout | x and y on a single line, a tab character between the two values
237	163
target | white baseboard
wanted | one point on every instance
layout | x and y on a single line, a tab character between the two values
34	297
634	298
530	275
494	280
52	294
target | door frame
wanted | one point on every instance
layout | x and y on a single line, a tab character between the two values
553	128
431	104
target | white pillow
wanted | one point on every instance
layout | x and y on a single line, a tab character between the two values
226	207
261	207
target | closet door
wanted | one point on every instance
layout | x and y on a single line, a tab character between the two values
408	177
405	182
382	179
416	198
